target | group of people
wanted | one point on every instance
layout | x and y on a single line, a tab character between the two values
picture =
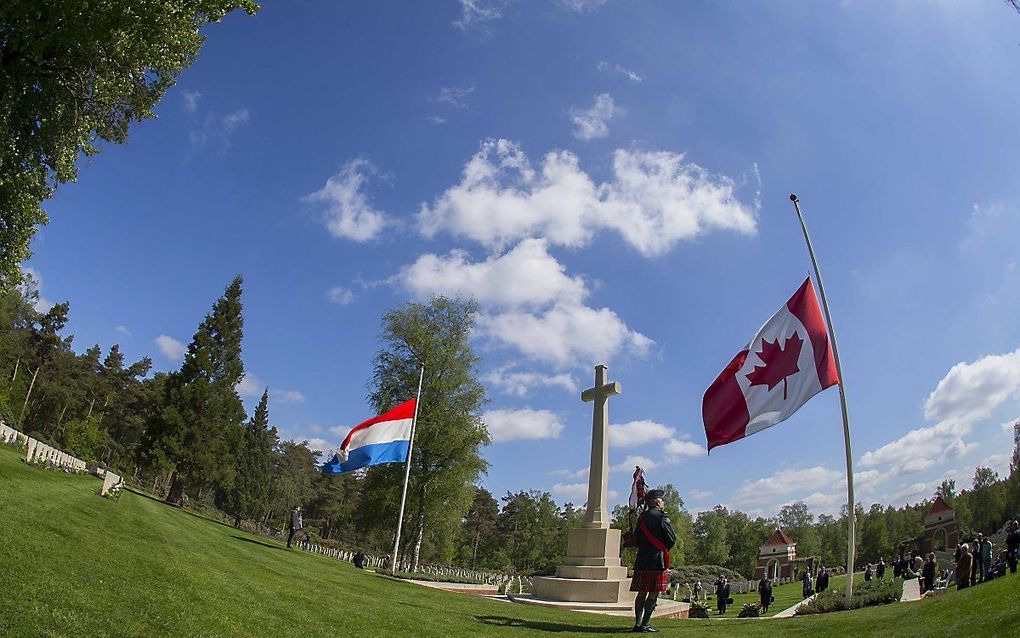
974	560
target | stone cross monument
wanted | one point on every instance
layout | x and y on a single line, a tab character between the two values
598	473
591	572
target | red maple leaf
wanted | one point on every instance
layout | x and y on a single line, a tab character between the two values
780	362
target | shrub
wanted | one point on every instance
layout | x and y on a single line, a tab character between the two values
750	610
698	609
876	592
707	574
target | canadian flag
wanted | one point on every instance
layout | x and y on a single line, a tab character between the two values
785	364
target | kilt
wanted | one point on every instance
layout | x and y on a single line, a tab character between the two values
649	580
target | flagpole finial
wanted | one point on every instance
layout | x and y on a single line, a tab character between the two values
793	197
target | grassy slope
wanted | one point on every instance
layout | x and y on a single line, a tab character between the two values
75	564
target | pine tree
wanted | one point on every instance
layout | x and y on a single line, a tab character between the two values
249	498
196	431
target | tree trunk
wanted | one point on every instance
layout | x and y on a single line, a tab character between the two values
91	404
419	533
474	549
61	419
14	377
21	417
175	496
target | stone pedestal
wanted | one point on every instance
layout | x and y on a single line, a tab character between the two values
591	571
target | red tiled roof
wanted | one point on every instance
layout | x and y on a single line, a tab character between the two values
939	506
778	537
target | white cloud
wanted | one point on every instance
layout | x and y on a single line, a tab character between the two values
340	295
32	284
191	100
970	391
435	119
1008	426
998	462
526	275
251	386
171	348
606	67
627	464
340	431
217	128
574	492
564	334
513	425
577	475
593	123
122	329
676	449
321	445
637	433
653	200
700	495
521	383
787	483
234	120
455	96
348	211
966	395
583	6
477	14
529	303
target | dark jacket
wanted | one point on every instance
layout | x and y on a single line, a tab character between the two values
928	576
295	520
658	525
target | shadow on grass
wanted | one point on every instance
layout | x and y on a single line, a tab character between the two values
258	542
185	510
536	625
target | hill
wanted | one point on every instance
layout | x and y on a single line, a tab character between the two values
76	564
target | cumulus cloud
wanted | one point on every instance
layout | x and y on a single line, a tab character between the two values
653	200
122	329
574	492
31	286
322	446
628	464
529	303
171	348
346	208
676	449
970	391
606	67
526	275
786	483
966	395
635	433
564	334
513	425
339	295
593	123
251	386
521	383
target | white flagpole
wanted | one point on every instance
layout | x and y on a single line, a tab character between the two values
407	472
851	516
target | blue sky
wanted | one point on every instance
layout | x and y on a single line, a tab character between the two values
611	180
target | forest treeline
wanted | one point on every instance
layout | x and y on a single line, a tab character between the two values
185	436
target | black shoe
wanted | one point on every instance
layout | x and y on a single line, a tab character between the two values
636	630
648	629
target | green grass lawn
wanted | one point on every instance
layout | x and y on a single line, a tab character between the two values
75	564
786	595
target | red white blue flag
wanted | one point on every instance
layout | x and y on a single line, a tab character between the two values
788	362
382	439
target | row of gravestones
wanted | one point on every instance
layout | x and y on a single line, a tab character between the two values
39	453
435	570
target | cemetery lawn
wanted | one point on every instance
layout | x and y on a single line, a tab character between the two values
75	564
786	596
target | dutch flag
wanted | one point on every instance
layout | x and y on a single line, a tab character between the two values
382	439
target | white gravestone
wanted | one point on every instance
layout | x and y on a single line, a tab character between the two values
32	445
109	481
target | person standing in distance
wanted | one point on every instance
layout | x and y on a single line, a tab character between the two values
655	537
295	524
